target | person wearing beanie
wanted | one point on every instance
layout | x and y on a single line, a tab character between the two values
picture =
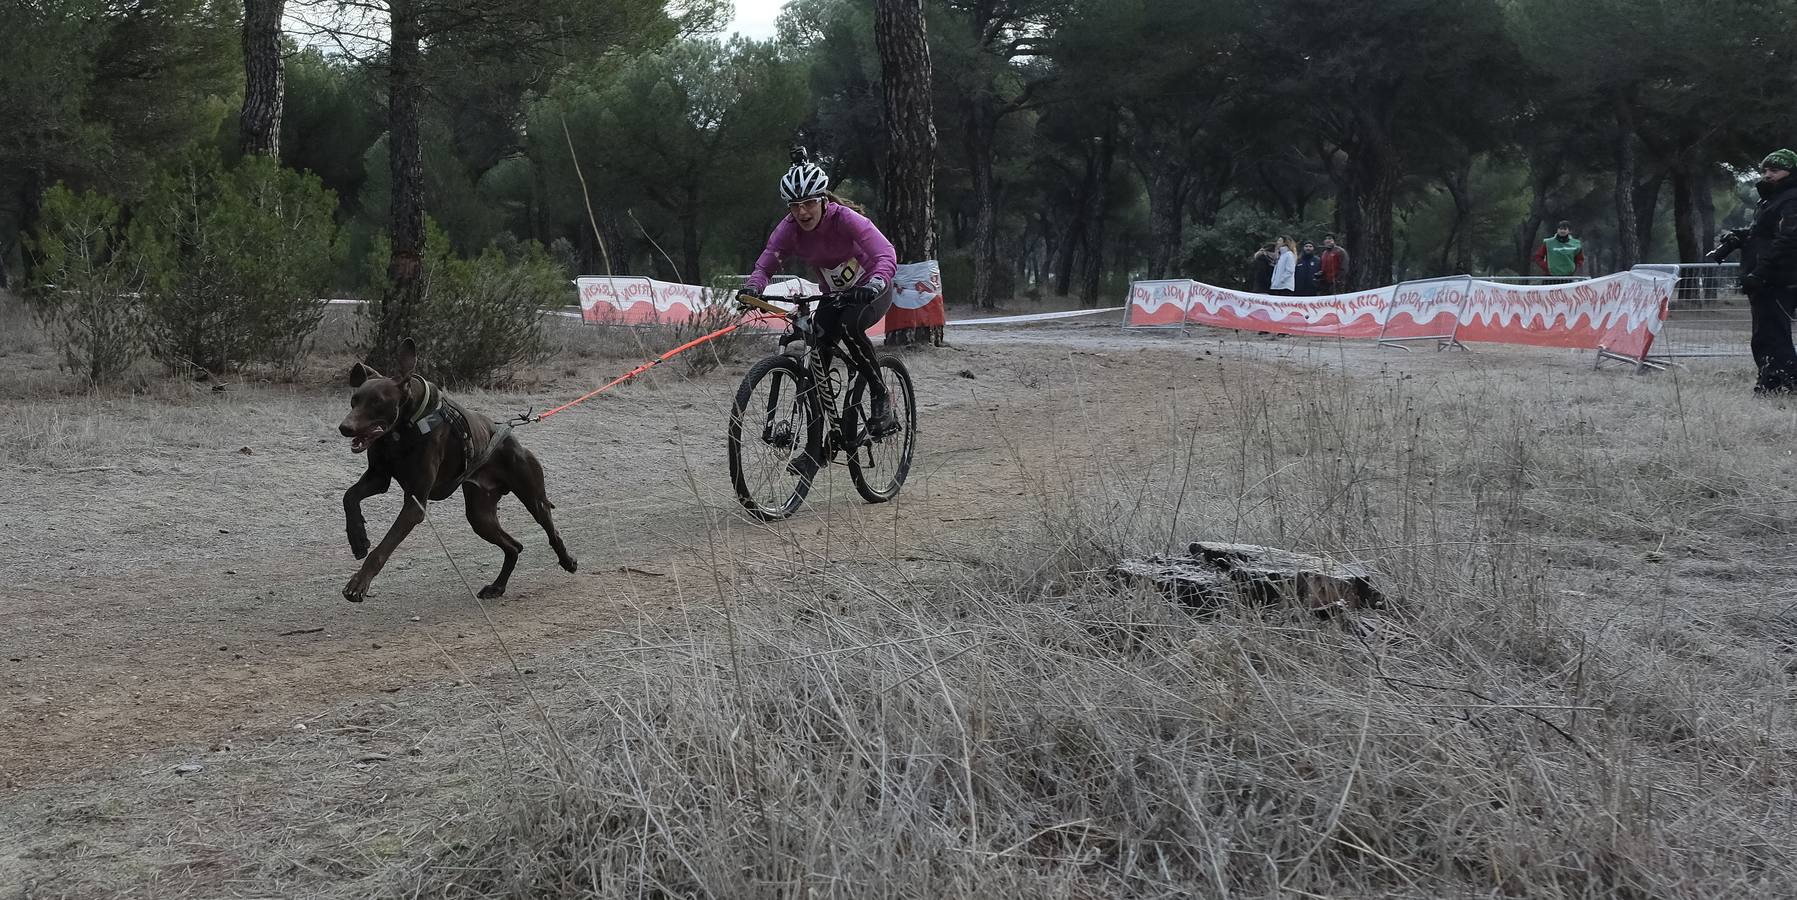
1769	274
1560	255
1307	272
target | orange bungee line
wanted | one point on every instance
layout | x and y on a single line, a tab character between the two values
650	365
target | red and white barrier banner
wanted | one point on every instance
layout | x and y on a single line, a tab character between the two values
917	297
1618	314
1345	315
634	300
1426	310
624	299
1158	304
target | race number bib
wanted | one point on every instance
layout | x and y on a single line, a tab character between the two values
843	276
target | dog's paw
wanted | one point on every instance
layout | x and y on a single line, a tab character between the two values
570	563
356	591
491	591
359	548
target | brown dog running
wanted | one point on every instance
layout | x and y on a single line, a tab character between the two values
417	435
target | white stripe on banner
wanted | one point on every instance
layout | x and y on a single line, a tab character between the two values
995	320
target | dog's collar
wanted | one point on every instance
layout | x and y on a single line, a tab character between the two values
428	413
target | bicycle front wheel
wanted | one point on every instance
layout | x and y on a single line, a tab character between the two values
773	423
879	465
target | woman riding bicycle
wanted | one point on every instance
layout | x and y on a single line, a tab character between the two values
856	264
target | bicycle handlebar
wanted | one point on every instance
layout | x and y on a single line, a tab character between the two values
747	299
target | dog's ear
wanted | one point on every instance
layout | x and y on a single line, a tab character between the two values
407	360
360	373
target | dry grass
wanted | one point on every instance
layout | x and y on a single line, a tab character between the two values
1571	701
20	333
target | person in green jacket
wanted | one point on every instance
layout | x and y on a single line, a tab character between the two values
1560	254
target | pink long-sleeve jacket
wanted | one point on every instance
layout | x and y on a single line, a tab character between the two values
845	249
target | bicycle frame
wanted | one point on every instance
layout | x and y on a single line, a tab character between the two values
841	432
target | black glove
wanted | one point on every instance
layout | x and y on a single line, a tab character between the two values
1753	281
866	293
739	298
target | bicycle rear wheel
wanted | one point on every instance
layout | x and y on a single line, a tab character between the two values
773	421
879	465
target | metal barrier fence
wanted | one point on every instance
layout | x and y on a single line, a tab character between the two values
1533	279
1708	315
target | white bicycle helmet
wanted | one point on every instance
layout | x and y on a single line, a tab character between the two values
805	180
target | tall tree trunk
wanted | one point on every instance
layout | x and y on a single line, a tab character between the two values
539	197
908	187
690	248
1373	172
1456	254
1095	214
1165	157
982	128
1168	184
1647	207
1067	251
586	249
1686	184
1211	184
1542	178
1628	237
1528	232
406	165
1274	186
1703	190
1073	236
264	79
32	184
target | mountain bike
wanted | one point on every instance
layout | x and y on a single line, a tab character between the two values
801	408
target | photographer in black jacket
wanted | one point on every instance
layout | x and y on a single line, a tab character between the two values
1769	272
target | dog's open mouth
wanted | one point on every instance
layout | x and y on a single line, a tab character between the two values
361	441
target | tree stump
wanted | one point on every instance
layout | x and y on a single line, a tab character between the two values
1215	574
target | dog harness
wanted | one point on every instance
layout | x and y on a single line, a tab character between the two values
436	411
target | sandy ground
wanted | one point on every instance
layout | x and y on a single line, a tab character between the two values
173	564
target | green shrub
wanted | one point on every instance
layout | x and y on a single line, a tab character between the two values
1221	254
718	312
477	320
85	287
236	262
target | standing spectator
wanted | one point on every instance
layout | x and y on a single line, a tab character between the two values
1335	266
1307	271
1260	271
1284	268
1560	255
1769	261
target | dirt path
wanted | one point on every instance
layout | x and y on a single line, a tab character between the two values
181	586
172	599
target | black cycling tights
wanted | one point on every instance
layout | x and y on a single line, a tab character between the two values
848	323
